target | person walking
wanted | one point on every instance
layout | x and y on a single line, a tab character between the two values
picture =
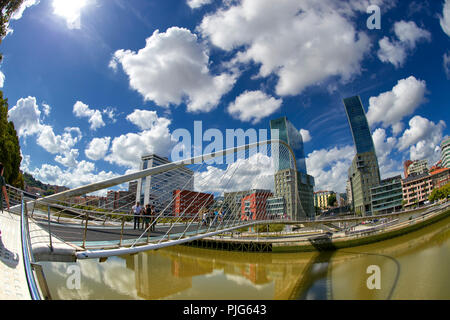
153	218
3	188
136	211
147	217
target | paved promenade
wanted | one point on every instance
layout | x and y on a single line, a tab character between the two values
13	282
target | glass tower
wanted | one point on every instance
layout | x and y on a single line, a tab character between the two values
289	134
358	124
364	173
287	181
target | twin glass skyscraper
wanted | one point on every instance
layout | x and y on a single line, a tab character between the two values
364	172
285	177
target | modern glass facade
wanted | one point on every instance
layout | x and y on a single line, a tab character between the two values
359	125
276	208
158	189
285	177
289	134
388	196
364	172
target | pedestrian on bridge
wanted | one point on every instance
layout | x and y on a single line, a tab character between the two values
136	211
152	218
147	217
3	188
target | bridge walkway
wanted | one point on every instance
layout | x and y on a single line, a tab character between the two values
14	285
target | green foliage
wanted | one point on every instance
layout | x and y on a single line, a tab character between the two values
270	228
9	147
32	182
441	193
7	7
332	201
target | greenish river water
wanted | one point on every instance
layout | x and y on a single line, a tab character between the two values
413	266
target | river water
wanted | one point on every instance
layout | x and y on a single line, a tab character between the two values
413	266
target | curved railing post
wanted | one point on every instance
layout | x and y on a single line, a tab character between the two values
49	228
85	230
28	259
121	231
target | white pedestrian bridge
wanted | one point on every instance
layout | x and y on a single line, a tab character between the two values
58	228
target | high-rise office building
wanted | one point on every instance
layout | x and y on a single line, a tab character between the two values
364	172
158	189
445	153
288	182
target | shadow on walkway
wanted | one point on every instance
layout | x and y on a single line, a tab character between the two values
7	257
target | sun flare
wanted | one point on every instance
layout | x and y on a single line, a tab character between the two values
69	10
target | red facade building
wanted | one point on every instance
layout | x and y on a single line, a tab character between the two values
440	177
253	206
187	202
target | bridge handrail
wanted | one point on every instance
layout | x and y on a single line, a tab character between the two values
27	254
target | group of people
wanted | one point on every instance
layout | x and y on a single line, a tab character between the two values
211	217
146	215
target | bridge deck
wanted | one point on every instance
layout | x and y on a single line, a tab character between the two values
104	236
14	285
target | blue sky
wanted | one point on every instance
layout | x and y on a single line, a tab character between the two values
94	84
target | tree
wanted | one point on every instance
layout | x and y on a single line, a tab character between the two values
332	200
441	193
9	147
7	7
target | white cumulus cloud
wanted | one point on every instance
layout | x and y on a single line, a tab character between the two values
423	138
304	43
391	52
329	167
445	19
254	172
83	173
26	117
146	119
98	148
408	35
2	79
384	147
82	110
306	135
253	106
58	144
26	4
172	68
126	150
389	108
194	4
446	64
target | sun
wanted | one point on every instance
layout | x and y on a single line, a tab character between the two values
69	10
